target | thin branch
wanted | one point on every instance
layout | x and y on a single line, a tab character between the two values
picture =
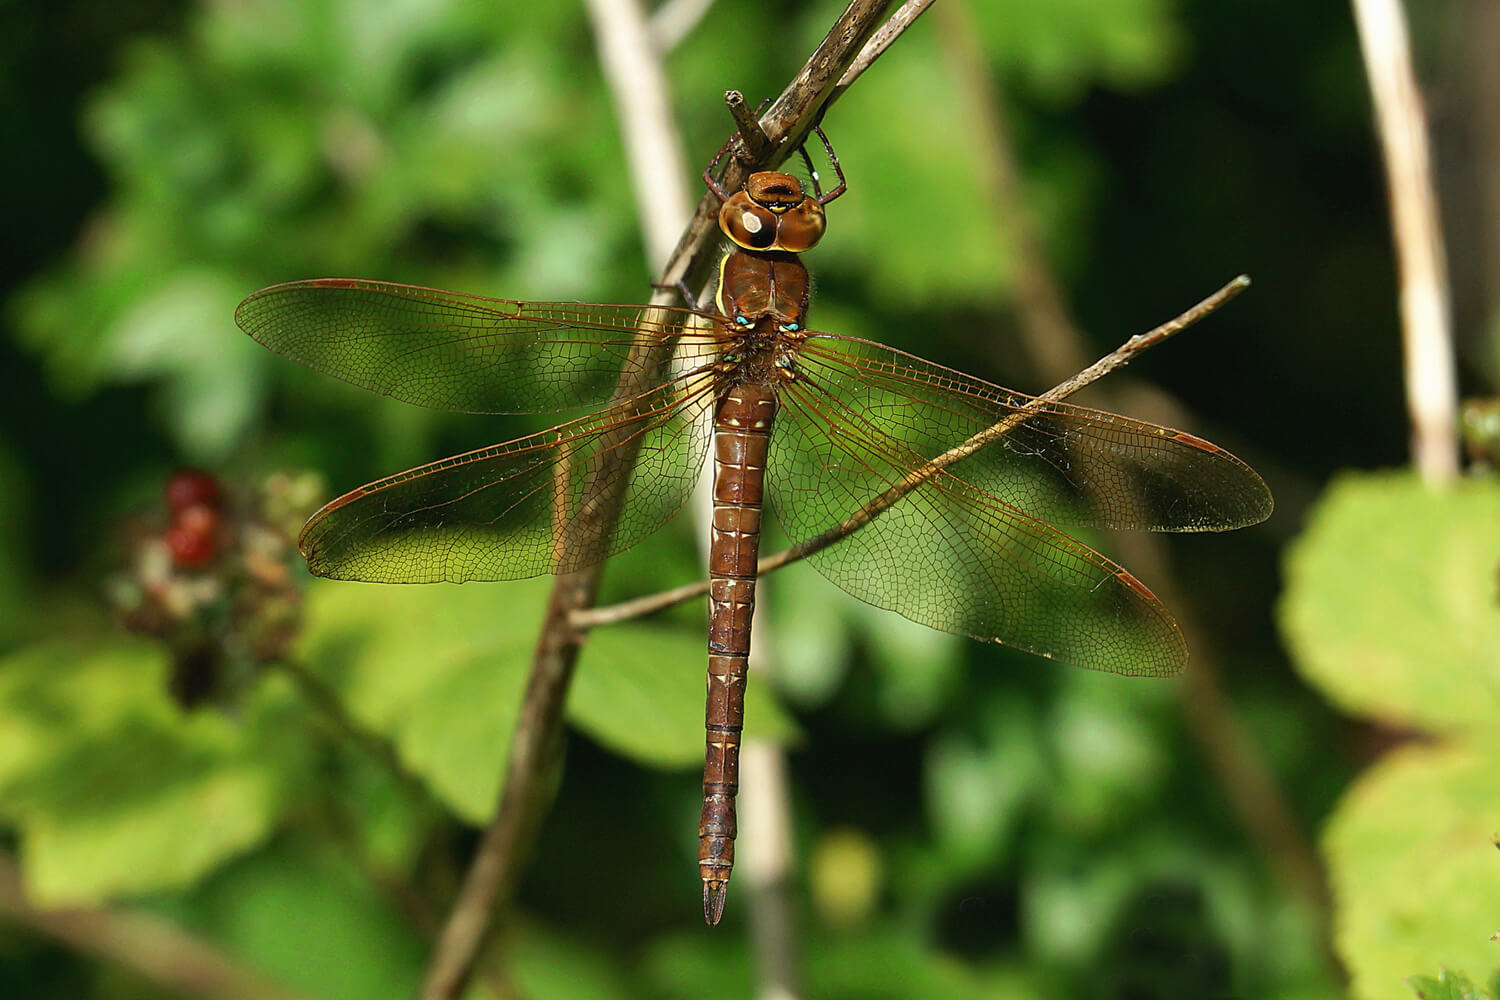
498	858
1116	359
376	747
753	139
891	30
1431	393
153	948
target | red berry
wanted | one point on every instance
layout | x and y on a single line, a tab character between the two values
189	486
193	537
199	518
190	549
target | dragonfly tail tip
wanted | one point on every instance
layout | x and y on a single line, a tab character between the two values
714	893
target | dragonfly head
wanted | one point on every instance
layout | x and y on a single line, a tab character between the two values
772	213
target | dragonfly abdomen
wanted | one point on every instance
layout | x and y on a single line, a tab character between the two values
742	434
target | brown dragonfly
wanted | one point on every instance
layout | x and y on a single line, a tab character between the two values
978	473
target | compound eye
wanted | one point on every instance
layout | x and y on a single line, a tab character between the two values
747	224
801	227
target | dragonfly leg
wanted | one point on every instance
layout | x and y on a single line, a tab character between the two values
681	288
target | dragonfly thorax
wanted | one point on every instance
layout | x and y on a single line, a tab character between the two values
763	353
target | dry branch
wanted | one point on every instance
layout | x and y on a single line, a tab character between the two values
1431	393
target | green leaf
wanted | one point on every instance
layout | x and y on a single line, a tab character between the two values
1390	606
178	333
886	961
114	790
457	733
438	669
173	813
441	670
1060	47
1447	986
311	919
639	691
1413	870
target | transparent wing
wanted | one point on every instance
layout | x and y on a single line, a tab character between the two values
1059	462
968	549
467	353
525	507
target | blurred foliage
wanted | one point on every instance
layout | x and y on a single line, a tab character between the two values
972	823
1447	986
1390	609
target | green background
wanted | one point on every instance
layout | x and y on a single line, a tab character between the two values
968	822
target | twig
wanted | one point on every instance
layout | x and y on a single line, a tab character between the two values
756	144
1116	359
891	30
498	858
377	748
1431	395
153	948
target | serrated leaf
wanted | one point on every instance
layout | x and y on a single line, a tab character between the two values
1391	605
639	691
1447	986
1415	877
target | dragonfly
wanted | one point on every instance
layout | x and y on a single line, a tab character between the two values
956	485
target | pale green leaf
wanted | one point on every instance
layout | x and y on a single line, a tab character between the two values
119	833
1412	867
1447	986
52	695
977	788
640	692
546	965
457	733
115	790
439	669
1391	608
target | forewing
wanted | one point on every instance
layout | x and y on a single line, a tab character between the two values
1057	462
948	554
525	507
468	353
